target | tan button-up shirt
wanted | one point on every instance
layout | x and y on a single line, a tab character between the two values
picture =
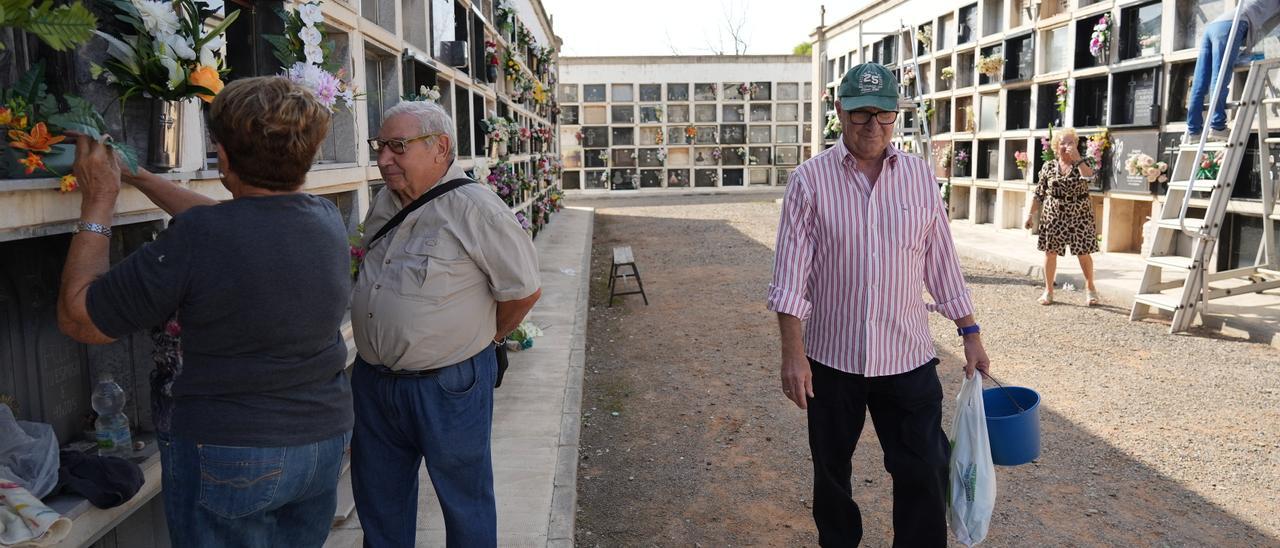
428	291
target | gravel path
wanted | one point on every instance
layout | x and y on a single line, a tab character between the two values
1148	439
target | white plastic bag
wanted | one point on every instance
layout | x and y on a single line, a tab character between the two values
28	453
973	476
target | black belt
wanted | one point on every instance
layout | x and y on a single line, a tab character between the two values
403	373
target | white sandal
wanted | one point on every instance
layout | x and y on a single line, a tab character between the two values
1091	297
1046	298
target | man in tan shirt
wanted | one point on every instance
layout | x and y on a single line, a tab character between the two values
433	296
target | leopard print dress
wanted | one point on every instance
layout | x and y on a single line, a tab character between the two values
1066	214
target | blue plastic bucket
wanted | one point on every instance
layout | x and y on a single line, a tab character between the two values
1014	434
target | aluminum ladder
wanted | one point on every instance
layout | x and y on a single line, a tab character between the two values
921	135
1184	244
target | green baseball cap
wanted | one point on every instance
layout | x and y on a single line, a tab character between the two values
868	85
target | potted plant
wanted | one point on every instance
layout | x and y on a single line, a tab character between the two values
1210	165
1021	160
303	51
497	131
832	129
991	65
491	60
34	122
961	163
1061	94
1100	39
1095	146
168	57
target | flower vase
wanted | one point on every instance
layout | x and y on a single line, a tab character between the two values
492	73
164	140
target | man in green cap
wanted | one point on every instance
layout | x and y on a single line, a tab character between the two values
863	233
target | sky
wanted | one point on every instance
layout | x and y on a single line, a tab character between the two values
687	27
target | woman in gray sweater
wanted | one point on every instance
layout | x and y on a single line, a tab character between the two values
261	408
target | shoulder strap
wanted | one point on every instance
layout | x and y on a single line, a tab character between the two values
435	192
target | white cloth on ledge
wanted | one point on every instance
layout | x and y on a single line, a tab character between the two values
25	521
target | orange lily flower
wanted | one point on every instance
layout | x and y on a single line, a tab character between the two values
33	163
68	183
6	116
38	140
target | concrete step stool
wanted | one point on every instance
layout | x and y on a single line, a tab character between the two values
622	256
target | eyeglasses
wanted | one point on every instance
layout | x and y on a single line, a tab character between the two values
884	117
397	145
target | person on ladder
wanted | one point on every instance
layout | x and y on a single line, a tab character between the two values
1257	18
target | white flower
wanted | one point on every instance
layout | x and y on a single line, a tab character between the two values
157	17
179	45
314	54
310	14
176	76
310	36
207	51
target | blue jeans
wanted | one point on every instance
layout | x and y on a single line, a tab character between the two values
217	495
1213	48
447	418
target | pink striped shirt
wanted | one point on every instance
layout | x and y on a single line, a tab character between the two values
854	258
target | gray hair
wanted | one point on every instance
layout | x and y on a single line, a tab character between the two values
432	117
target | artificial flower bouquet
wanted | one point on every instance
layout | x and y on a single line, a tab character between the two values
308	58
166	53
1144	165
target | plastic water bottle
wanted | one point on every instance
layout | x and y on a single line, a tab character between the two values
112	425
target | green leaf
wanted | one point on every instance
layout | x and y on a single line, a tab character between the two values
47	105
123	53
127	153
15	11
69	123
283	49
30	87
286	59
221	28
62	28
126	7
131	20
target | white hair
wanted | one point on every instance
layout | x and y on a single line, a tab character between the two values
432	118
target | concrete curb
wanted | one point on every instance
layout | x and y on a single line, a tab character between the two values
586	195
564	498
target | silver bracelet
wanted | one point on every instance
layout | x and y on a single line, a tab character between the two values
82	226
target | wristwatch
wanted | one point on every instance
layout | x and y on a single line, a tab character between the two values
968	330
95	228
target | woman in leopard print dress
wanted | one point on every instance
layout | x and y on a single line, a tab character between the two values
1066	220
